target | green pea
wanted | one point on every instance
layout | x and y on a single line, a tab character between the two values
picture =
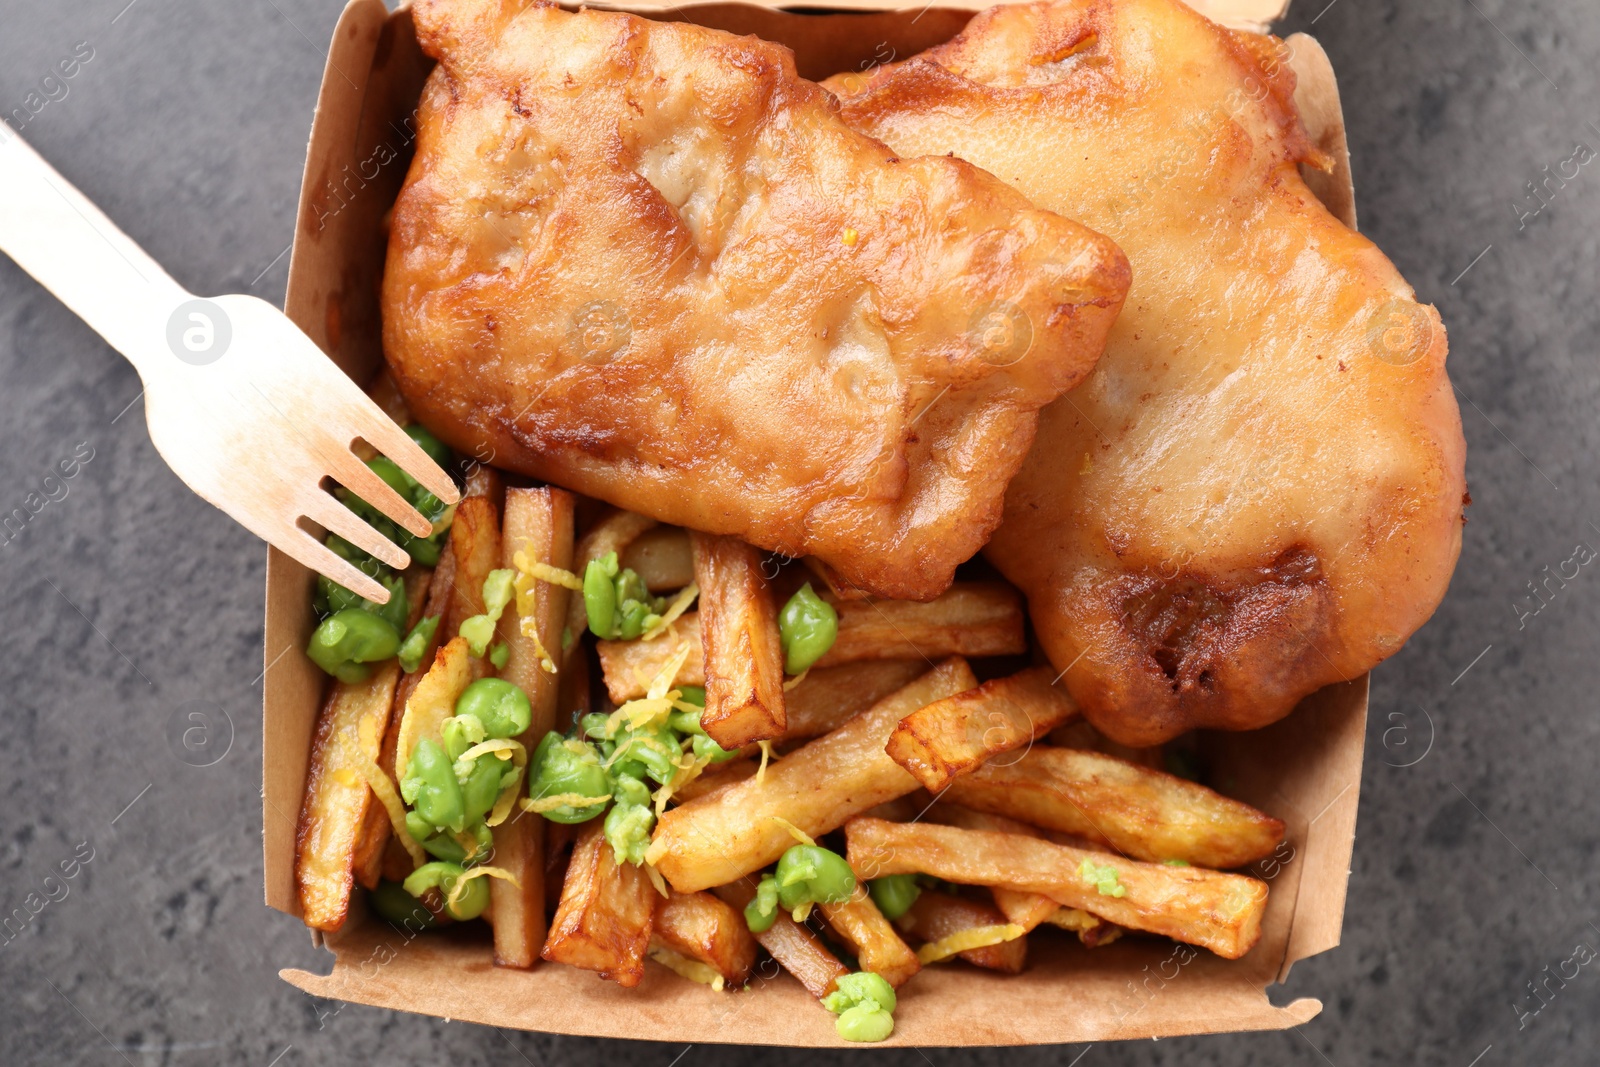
482	786
655	749
811	874
431	787
419	828
560	766
393	904
631	587
499	655
502	707
600	596
461	732
708	751
443	877
633	619
629	822
444	847
436	449
864	1023
863	989
424	551
807	626
692	694
416	643
894	894
762	911
346	641
593	725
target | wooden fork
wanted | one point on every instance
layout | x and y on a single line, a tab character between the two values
243	406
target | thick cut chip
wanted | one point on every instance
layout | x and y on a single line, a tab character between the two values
706	928
661	558
1259	489
647	261
969	619
829	697
606	913
741	653
941	741
1218	911
729	833
338	799
877	947
1146	814
796	948
936	917
537	529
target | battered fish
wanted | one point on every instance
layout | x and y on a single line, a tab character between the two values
648	262
1259	489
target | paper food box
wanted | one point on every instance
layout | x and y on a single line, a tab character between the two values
1306	769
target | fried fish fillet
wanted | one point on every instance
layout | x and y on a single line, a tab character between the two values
1259	490
648	262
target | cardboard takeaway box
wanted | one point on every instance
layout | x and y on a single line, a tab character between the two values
1305	769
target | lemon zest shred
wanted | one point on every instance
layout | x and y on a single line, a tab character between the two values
793	830
766	753
801	913
514	750
656	880
480	872
679	605
794	683
530	571
1075	919
506	800
383	788
967	940
684	967
661	684
560	800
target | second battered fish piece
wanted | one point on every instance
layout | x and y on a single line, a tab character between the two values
648	262
1259	489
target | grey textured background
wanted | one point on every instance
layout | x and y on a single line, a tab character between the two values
128	600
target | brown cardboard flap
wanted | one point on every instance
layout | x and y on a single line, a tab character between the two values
1305	769
1069	994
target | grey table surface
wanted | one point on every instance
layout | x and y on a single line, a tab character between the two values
128	603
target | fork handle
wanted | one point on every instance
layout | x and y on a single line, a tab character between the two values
72	249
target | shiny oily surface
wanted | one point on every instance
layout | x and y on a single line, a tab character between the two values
667	275
1259	489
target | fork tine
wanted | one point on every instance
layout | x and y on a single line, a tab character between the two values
327	512
310	552
380	431
359	478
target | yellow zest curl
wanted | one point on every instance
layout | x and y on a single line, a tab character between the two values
479	872
383	788
679	605
967	940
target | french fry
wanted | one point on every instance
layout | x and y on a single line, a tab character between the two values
338	801
707	929
1221	912
872	938
606	914
1092	930
1026	910
829	697
954	736
662	558
538	525
729	833
614	533
434	699
970	619
1142	813
741	655
936	916
714	777
1080	734
337	796
475	545
374	857
796	949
